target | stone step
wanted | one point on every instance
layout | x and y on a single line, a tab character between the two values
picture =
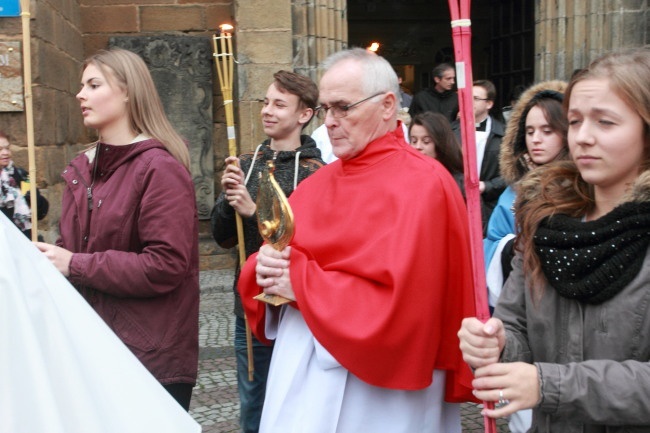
211	255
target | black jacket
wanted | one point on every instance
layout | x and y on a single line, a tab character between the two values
224	228
445	103
489	173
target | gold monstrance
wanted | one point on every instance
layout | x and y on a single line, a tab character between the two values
274	220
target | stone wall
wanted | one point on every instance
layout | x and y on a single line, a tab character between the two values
263	46
101	19
319	29
292	35
571	33
56	52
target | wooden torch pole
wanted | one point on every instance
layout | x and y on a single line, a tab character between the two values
224	62
29	113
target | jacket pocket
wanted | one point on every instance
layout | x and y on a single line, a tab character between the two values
132	333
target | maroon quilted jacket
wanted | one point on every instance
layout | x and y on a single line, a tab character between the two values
136	251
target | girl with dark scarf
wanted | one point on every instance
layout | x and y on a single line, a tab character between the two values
570	336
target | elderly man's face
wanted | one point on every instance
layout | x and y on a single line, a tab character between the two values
5	153
363	123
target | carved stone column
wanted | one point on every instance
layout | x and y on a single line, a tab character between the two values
571	33
319	29
181	67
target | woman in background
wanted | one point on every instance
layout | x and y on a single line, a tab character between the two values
535	136
431	134
13	203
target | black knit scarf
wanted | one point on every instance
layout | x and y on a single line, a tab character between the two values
593	261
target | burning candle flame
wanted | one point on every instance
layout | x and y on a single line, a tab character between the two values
226	28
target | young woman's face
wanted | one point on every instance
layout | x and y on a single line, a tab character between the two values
606	138
542	142
422	141
103	103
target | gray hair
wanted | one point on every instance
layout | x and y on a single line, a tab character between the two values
378	74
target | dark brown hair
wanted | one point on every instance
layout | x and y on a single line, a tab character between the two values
551	107
447	148
488	85
303	87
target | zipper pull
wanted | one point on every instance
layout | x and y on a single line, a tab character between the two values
90	198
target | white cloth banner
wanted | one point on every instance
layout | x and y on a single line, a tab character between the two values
62	370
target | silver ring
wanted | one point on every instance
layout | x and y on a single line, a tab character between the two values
502	401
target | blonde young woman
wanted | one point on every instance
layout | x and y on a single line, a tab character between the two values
570	336
129	227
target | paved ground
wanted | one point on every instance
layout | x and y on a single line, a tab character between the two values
215	403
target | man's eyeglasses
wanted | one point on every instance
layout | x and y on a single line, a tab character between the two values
476	98
339	111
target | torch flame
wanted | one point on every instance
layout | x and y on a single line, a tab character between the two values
374	46
226	28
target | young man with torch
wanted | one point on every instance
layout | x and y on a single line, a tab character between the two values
288	107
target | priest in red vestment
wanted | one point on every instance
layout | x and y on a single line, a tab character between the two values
379	269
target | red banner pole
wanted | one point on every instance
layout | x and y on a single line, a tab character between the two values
462	37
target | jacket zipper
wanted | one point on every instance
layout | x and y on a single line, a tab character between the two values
89	192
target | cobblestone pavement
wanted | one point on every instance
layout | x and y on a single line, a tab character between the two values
215	403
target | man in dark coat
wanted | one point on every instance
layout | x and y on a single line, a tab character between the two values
489	133
442	98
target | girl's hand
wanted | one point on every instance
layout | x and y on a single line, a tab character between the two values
481	343
59	257
513	386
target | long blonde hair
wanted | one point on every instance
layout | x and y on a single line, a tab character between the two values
145	110
558	188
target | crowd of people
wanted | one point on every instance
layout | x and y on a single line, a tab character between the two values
380	333
569	214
